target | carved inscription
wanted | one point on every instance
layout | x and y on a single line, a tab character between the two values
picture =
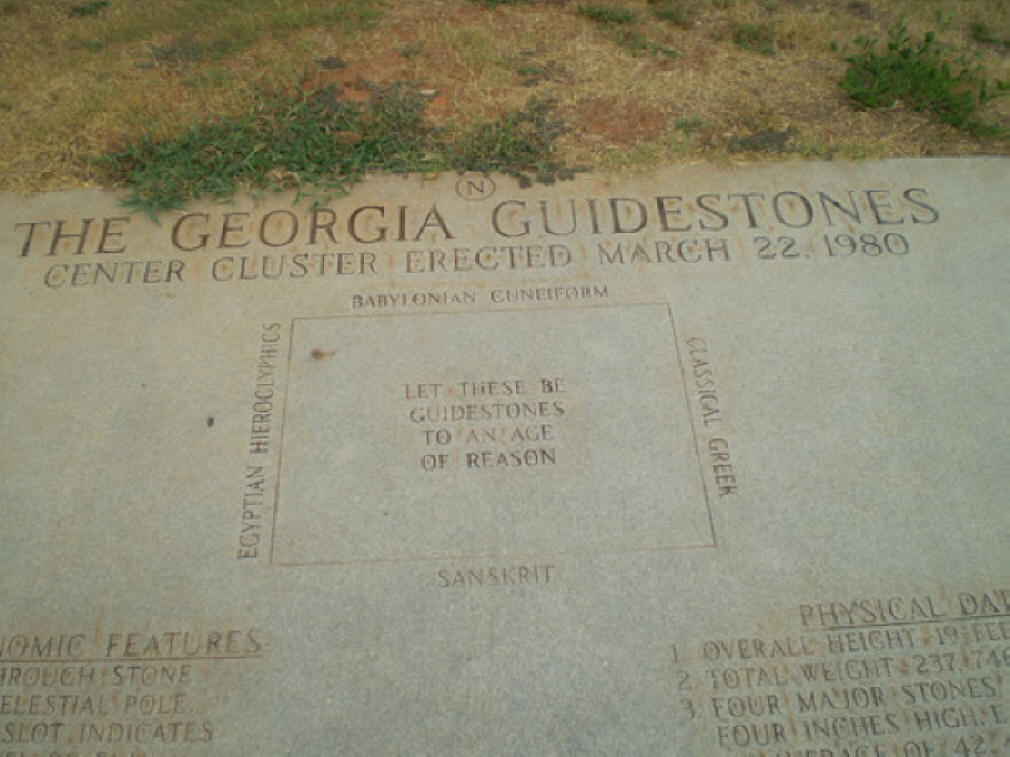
495	576
508	423
117	693
258	479
907	675
715	441
705	462
446	444
514	236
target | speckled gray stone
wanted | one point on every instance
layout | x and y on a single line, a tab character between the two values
704	462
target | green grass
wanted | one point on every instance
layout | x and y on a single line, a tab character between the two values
223	27
758	38
981	32
634	41
321	145
681	13
924	76
90	8
520	143
607	14
534	72
619	20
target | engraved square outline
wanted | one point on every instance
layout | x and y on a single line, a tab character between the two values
444	558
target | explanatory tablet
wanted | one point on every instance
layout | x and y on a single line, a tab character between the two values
405	438
707	462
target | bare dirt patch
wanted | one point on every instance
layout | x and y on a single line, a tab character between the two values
620	122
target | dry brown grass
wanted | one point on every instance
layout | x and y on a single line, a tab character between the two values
65	99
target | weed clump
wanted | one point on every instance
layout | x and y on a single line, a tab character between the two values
312	142
520	143
91	8
689	125
758	38
924	76
495	3
607	14
677	12
321	145
981	32
619	20
636	43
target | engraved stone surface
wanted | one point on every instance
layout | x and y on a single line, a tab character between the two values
489	425
705	462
